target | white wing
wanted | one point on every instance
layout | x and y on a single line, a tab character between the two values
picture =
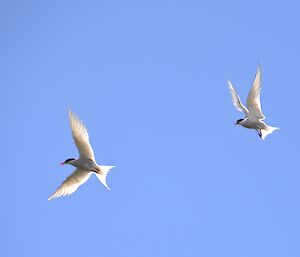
253	100
71	183
81	137
236	100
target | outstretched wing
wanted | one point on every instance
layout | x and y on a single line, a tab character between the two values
253	99
236	100
81	137
71	183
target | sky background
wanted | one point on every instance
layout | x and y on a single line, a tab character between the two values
148	78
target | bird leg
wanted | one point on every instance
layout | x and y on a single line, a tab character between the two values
97	170
259	132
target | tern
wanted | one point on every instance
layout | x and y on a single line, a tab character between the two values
254	116
86	164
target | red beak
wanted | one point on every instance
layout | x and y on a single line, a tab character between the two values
62	163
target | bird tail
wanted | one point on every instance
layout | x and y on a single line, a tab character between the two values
102	176
266	131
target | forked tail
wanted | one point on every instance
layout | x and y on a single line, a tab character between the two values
102	176
266	131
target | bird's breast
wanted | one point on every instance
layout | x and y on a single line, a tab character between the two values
251	124
86	164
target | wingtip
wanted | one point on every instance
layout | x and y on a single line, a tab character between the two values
70	112
258	71
229	84
51	197
74	116
259	66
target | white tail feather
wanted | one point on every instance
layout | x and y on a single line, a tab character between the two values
102	176
268	130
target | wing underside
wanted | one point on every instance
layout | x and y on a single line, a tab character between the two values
253	99
236	99
81	137
71	183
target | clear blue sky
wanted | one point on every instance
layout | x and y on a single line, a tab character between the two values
149	80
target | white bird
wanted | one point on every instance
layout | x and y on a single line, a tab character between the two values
254	116
85	165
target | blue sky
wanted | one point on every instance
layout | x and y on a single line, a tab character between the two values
149	80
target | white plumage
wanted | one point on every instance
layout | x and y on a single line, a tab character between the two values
85	165
254	116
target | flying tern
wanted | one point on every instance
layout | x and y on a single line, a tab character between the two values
86	164
254	116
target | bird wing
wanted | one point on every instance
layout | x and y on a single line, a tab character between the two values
81	137
253	99
71	183
236	100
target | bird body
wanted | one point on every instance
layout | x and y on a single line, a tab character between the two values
86	164
253	124
254	116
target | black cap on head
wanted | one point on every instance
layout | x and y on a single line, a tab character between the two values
238	121
70	159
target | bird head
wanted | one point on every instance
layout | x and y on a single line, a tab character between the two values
68	161
239	121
